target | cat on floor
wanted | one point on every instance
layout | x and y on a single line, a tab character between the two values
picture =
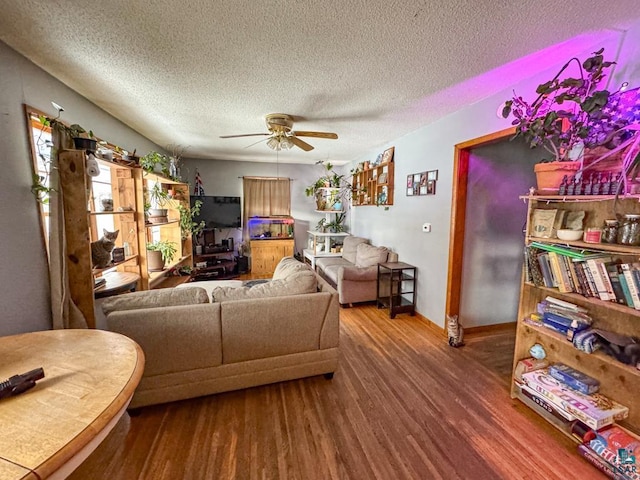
101	249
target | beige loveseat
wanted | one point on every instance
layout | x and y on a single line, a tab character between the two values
354	275
284	329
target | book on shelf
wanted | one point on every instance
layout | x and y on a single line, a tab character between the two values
571	252
629	277
598	279
616	285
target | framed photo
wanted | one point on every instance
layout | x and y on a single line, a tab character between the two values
410	181
431	187
409	191
387	156
432	175
423	178
423	189
416	179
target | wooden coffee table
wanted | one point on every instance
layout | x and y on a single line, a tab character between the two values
90	377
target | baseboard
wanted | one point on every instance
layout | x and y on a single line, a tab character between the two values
496	328
432	325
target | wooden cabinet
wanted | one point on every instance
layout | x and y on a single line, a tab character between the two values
373	185
121	189
266	254
618	381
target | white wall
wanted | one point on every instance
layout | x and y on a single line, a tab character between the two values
431	148
24	292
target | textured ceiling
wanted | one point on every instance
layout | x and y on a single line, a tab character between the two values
189	71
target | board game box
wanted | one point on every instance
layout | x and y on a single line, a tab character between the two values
594	410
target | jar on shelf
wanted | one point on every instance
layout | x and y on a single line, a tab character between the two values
610	231
629	232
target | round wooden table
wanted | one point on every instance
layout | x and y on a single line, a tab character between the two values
90	377
117	282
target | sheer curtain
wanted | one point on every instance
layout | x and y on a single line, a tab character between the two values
264	197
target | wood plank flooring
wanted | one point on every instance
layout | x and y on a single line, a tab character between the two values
403	405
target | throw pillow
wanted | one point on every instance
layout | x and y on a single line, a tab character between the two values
162	297
295	284
349	247
368	255
288	266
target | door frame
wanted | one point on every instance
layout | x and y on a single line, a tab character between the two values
461	154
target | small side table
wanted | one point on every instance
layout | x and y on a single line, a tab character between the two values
396	289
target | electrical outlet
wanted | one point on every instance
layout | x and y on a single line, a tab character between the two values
426	227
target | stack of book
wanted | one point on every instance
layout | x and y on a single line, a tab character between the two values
591	274
563	317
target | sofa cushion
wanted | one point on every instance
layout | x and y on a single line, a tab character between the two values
368	255
294	284
162	297
349	246
288	266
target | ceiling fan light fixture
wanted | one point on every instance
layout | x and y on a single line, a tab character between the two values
286	143
273	143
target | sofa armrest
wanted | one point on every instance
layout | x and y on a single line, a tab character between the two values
358	274
163	297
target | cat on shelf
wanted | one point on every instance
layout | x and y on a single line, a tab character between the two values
101	249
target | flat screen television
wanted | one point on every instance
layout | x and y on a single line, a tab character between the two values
219	212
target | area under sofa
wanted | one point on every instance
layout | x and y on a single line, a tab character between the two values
196	347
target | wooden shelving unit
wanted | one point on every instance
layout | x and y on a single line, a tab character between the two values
618	381
82	218
169	231
368	189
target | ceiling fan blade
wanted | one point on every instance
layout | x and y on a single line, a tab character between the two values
332	136
301	144
259	141
245	135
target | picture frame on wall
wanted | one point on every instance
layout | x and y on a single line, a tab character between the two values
431	187
387	156
432	175
410	181
409	191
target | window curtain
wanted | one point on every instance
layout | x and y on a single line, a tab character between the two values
64	313
264	197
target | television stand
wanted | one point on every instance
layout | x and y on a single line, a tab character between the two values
214	266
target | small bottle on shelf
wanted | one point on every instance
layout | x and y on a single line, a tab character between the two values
597	185
588	186
571	186
606	185
562	190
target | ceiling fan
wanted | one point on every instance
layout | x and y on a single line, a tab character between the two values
282	137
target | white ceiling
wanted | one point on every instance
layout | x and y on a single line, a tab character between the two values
185	72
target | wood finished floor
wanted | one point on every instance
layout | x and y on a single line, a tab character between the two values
403	405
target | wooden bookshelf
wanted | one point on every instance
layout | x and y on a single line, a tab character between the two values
618	381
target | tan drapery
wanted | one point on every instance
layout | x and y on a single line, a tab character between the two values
264	197
64	313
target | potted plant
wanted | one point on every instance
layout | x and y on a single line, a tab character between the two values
82	139
158	199
158	253
154	162
568	115
329	200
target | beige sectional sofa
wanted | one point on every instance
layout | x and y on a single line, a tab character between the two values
284	329
354	275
